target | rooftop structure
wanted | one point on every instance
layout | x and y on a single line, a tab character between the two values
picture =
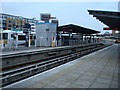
47	18
76	29
109	18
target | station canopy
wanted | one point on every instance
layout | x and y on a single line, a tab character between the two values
109	18
76	29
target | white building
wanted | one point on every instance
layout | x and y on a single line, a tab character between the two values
46	34
33	22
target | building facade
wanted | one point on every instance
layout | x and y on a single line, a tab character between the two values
9	22
47	18
46	34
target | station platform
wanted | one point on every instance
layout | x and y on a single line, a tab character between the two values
96	70
20	49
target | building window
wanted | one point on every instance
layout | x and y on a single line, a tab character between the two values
4	21
47	29
16	18
4	25
9	28
7	62
5	35
1	28
4	16
9	25
11	17
7	16
32	28
9	21
14	22
21	37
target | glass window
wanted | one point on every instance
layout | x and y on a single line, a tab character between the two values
32	28
9	21
21	37
0	35
10	16
32	24
4	16
9	28
9	25
5	35
7	16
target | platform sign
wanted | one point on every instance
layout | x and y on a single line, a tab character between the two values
111	28
53	41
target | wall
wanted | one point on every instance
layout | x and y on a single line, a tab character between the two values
44	34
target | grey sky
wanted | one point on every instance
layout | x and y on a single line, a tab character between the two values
66	12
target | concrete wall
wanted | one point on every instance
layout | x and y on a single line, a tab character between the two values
30	57
44	34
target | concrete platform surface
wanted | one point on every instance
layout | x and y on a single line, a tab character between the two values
96	70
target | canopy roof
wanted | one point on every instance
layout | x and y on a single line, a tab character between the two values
76	29
109	18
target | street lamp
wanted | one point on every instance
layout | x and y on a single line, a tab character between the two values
29	37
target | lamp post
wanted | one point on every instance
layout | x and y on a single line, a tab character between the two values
16	44
29	38
27	31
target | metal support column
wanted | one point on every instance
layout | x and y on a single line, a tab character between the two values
72	39
93	39
60	39
69	38
85	38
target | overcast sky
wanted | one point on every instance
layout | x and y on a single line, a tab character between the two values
66	12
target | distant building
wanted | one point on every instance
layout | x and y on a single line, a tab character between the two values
54	21
9	22
47	18
33	22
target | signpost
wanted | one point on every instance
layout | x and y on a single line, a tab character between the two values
29	38
27	31
16	44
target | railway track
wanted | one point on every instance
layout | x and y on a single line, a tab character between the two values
14	75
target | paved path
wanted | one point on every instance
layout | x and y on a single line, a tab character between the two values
96	70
